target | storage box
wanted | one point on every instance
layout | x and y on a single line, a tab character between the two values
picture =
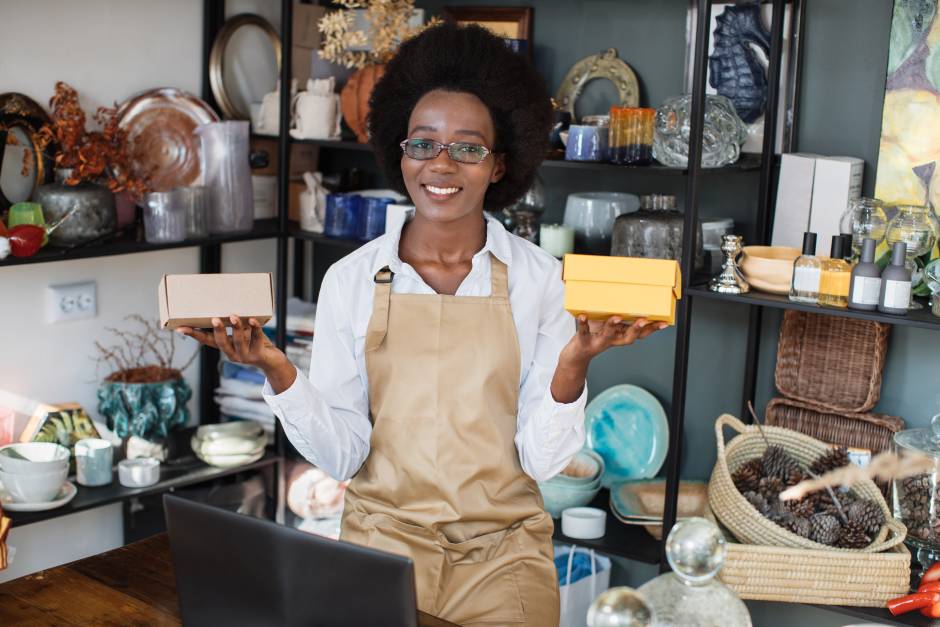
794	199
629	287
837	181
193	300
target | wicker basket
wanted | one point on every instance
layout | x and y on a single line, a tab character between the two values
746	523
873	432
831	361
769	573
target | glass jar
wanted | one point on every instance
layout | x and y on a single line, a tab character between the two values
631	135
691	595
916	500
654	232
724	132
912	225
227	174
864	217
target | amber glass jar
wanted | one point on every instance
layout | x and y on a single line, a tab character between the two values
631	135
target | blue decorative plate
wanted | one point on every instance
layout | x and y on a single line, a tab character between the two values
627	426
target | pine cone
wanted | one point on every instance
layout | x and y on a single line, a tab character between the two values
822	501
834	458
778	463
758	501
747	476
803	508
770	488
795	524
853	536
868	515
824	529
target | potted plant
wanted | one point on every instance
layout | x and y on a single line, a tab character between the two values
144	396
388	25
91	167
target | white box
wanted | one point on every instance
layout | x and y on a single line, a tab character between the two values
794	199
837	181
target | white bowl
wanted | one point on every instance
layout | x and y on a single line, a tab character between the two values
40	457
34	488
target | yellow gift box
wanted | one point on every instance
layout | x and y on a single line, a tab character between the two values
629	287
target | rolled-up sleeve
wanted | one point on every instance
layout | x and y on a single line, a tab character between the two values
549	433
326	414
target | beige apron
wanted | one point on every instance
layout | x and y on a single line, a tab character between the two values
443	483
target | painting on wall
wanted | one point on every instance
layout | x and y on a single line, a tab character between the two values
909	151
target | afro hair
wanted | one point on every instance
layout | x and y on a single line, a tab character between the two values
472	60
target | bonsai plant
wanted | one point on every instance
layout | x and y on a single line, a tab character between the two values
144	396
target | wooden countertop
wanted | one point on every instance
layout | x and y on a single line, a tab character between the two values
132	585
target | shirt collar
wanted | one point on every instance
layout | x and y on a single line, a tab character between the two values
497	243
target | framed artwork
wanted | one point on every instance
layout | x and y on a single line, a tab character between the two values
909	151
738	59
514	24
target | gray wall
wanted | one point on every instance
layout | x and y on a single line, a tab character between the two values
844	61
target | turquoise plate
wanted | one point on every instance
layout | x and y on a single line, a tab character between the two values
627	426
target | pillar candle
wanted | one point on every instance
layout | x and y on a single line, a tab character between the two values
556	239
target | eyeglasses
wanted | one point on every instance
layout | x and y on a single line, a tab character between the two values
463	152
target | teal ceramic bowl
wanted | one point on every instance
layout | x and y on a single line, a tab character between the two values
557	498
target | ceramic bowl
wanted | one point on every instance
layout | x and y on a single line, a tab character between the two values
584	470
33	457
558	498
768	268
34	487
638	502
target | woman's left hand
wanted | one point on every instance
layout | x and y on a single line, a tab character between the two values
587	344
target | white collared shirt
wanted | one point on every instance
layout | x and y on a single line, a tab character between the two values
326	415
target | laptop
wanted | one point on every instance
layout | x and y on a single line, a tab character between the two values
233	569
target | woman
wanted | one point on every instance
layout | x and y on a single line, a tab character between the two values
446	376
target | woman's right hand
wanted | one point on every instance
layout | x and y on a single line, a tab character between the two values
247	345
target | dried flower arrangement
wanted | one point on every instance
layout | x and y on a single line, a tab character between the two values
90	155
143	353
388	26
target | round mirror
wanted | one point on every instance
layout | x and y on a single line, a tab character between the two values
244	64
22	168
18	169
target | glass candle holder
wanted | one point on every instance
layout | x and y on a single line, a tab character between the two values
631	135
864	217
913	226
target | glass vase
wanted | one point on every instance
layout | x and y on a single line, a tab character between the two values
913	226
864	217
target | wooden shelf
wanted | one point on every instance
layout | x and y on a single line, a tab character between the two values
126	244
630	541
190	471
921	318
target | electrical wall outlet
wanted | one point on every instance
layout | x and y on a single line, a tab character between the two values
75	301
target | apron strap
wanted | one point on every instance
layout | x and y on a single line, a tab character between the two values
499	279
378	323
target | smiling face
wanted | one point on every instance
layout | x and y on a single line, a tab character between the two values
444	190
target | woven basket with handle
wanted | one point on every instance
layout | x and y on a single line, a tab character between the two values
745	522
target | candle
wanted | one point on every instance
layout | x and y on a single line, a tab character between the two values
556	240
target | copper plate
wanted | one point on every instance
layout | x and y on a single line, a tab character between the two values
162	145
20	112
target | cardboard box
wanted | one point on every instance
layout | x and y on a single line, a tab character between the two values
837	181
303	157
193	300
306	19
632	288
301	64
794	199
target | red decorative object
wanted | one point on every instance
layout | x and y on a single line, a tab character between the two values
354	99
26	240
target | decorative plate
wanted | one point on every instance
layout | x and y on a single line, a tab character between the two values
627	426
603	65
162	145
22	167
66	494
